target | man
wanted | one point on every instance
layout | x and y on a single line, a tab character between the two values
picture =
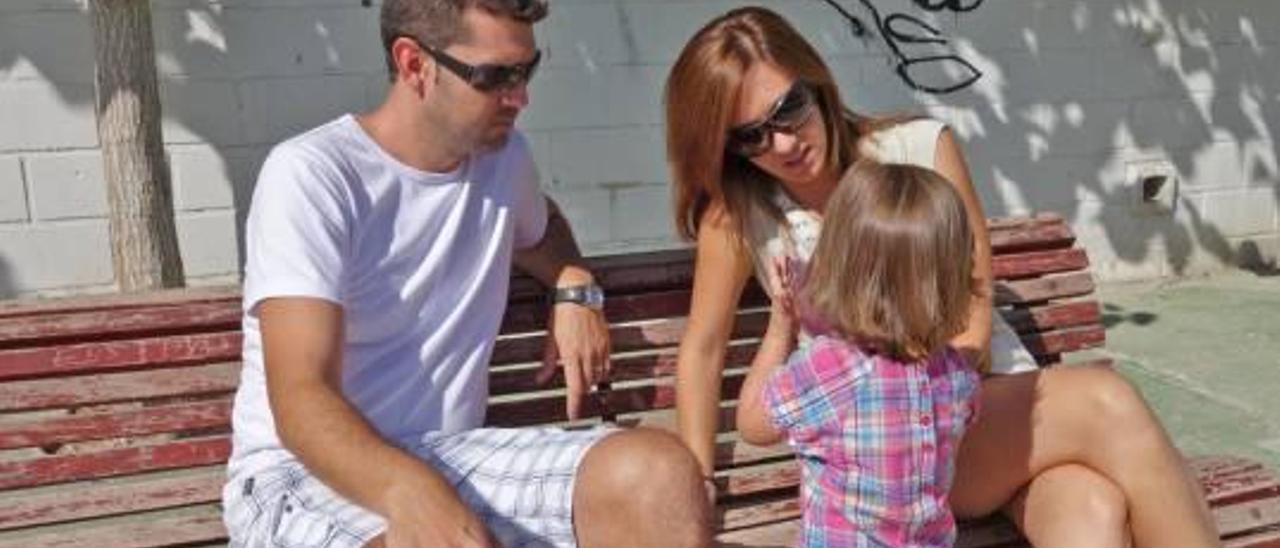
378	254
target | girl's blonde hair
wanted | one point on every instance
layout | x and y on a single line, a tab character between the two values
894	262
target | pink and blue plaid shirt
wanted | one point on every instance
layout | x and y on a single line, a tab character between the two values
876	440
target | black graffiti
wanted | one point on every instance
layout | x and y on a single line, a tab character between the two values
899	29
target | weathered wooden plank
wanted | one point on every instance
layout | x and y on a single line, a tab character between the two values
626	337
25	509
1044	235
1035	290
1054	316
118	355
631	368
1035	263
106	324
734	515
81	390
551	408
528	316
191	527
114	462
181	417
1064	340
119	301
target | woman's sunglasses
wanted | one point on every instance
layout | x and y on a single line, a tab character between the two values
791	111
487	77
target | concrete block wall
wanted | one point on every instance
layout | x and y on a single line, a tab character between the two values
1075	99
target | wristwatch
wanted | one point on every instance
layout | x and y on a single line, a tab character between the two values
589	295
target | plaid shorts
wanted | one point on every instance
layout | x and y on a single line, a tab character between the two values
518	480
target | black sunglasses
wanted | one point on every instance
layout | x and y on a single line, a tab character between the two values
486	77
789	113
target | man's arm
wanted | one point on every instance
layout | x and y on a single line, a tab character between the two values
579	336
302	347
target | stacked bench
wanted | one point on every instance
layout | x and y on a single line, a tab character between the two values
115	411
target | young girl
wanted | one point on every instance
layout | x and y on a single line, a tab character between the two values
874	401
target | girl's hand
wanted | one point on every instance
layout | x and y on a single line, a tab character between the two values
781	282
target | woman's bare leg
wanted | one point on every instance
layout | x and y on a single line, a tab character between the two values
1071	505
1091	416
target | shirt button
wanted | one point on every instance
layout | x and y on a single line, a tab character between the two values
925	419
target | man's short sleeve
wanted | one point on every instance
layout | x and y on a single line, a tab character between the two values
530	211
296	236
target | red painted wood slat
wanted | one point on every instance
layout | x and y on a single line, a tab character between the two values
202	527
1022	265
101	388
114	462
156	352
182	417
18	509
106	324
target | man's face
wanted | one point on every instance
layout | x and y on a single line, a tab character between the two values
484	119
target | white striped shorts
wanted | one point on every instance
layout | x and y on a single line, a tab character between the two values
518	480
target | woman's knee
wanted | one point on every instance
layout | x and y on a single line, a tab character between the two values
1072	505
1115	407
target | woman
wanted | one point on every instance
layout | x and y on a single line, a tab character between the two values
757	138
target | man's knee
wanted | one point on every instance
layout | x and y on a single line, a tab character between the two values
642	461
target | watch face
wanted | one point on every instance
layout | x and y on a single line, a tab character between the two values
595	296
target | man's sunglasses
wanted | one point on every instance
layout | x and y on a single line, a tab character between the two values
487	77
789	113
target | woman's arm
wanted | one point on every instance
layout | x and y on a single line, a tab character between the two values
720	273
975	341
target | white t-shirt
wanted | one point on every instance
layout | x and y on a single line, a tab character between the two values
419	262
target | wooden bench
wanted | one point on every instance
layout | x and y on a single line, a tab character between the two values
114	411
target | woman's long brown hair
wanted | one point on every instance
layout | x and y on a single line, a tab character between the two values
701	93
893	266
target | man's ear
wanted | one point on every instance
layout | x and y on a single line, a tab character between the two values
412	64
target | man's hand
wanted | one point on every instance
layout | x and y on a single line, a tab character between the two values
419	519
577	338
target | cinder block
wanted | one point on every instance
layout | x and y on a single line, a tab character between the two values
1169	124
202	178
603	156
658	30
643	213
54	256
209	243
1066	24
191	39
40	115
564	98
50	41
588	36
67	185
1241	213
1129	70
1001	26
297	40
200	111
13	193
1214	166
275	109
42	5
588	212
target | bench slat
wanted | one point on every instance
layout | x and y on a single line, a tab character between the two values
114	462
107	324
646	335
1038	290
116	387
1053	316
155	420
1022	265
129	354
200	526
201	486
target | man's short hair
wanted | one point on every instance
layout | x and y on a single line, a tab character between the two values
438	23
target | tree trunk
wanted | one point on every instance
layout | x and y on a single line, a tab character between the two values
144	242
